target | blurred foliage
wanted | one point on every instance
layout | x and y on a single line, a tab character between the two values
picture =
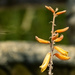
2	72
11	21
20	70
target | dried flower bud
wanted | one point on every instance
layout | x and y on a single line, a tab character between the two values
61	50
62	57
59	39
62	30
50	8
61	12
42	40
45	62
55	36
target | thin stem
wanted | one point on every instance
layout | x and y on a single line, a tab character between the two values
51	46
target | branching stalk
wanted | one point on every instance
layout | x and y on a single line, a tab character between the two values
51	46
48	60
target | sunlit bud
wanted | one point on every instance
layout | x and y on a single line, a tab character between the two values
62	57
61	50
42	40
62	30
45	62
61	12
46	58
59	39
55	36
56	9
50	8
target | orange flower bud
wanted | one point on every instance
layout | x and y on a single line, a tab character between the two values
62	57
61	50
45	62
59	39
55	36
62	30
41	40
50	8
61	12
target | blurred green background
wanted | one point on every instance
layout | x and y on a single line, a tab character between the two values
23	23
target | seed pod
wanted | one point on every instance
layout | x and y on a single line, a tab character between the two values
62	57
61	50
42	40
50	8
62	30
45	62
59	39
61	12
55	36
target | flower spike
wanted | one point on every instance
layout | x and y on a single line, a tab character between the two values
42	40
61	50
61	12
45	62
62	30
62	57
59	39
54	37
50	8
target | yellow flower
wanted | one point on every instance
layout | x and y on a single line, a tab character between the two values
62	57
60	12
45	62
50	8
42	40
59	39
61	50
55	36
62	30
